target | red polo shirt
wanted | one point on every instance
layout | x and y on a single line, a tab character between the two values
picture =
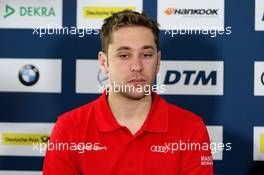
96	144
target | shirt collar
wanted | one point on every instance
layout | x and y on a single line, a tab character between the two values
156	121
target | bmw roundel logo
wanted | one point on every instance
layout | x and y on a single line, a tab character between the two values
28	75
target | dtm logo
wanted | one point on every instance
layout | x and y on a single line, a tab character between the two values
28	75
192	77
173	77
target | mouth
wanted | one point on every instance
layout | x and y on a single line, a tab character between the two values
137	82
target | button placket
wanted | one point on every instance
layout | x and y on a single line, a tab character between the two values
130	163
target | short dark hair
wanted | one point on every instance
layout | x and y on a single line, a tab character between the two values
123	19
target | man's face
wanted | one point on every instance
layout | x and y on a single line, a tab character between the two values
133	60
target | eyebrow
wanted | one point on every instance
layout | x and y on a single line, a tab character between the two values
123	48
148	47
129	48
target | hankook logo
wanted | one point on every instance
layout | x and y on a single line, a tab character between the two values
171	11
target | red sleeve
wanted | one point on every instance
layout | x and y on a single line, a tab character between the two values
197	161
61	160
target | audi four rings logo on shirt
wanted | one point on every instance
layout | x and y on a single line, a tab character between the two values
166	148
180	146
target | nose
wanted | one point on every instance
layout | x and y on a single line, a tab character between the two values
136	65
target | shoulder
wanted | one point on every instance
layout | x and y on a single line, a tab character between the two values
78	114
184	121
182	114
76	118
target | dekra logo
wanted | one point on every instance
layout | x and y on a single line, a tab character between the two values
8	11
190	77
30	11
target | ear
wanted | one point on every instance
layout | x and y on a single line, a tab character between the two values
102	57
158	62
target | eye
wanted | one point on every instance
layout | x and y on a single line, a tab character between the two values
123	56
147	55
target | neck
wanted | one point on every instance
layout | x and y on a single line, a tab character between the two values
129	112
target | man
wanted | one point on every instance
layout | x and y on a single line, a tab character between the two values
129	130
